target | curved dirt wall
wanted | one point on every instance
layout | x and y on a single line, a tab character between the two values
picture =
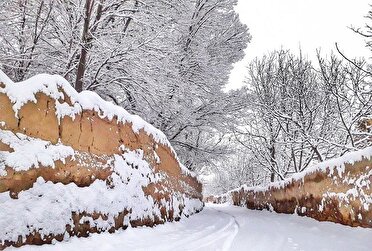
72	164
337	190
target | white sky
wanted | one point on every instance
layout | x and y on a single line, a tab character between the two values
309	24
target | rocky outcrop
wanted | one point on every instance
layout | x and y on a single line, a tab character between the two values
337	190
72	164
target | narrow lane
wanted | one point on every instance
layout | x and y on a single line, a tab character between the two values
263	230
222	227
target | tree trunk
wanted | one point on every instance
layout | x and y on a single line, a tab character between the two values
272	176
272	156
84	50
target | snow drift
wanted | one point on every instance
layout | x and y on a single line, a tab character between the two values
337	190
73	164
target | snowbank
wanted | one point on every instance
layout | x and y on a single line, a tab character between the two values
337	190
73	164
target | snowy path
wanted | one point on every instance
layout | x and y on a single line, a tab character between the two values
221	227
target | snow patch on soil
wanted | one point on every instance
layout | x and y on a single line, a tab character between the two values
30	152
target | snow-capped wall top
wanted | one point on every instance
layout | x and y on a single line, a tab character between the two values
57	87
335	166
54	86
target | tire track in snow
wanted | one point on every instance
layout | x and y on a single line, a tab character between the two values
211	240
227	244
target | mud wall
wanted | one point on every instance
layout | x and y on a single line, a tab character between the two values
103	151
337	190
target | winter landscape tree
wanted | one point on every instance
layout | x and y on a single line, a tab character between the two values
168	61
165	61
79	172
299	114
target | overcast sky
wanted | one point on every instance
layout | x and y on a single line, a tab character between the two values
308	24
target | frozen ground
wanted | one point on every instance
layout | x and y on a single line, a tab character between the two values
223	227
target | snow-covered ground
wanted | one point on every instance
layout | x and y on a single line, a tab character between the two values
224	227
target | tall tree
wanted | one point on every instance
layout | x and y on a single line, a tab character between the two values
166	61
289	122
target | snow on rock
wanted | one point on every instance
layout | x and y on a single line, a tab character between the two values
337	190
73	164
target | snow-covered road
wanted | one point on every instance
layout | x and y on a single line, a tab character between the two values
222	227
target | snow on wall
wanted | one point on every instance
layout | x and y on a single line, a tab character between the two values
337	190
333	167
46	207
29	152
52	85
57	87
145	182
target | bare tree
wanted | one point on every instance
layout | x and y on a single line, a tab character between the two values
289	122
349	88
26	24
